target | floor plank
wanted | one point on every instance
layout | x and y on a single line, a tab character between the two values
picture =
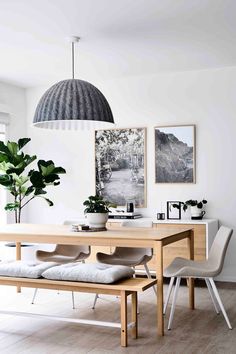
194	332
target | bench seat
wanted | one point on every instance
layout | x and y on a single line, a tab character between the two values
122	288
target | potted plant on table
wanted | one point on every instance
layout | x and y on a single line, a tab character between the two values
25	184
96	211
196	208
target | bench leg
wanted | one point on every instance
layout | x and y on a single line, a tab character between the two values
123	318
134	315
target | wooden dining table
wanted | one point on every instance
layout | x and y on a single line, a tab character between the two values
120	237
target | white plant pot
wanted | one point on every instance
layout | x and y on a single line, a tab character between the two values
196	212
97	220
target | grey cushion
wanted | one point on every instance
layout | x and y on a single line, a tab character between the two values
24	269
90	272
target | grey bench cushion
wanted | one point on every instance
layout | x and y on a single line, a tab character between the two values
90	272
24	269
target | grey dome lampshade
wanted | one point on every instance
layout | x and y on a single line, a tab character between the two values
73	104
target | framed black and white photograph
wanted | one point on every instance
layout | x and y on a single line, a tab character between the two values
173	210
120	163
175	154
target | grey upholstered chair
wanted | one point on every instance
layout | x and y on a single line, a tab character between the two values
207	270
129	256
64	254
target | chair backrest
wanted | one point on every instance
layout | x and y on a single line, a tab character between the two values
71	250
219	248
137	224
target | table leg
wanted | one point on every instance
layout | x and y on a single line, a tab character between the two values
191	280
123	318
134	315
18	258
159	274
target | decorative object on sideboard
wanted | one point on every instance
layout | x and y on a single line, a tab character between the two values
173	213
23	185
96	211
175	154
130	206
160	216
73	104
196	208
120	165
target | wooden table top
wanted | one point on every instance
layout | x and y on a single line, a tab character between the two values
41	233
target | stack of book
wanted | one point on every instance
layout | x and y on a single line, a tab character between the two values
124	215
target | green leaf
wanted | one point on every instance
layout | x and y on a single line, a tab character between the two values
36	179
59	170
12	206
4	148
39	191
3	157
13	147
51	178
14	170
20	180
4	166
56	183
29	190
29	159
50	203
22	142
46	167
5	180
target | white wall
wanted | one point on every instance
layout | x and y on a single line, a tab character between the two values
13	102
205	98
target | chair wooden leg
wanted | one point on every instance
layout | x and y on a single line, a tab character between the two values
172	311
212	295
170	287
214	288
123	318
134	315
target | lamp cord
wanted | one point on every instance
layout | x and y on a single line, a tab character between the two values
73	60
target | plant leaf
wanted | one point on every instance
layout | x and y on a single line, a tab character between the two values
50	203
22	142
39	191
12	147
12	206
5	180
59	170
36	179
29	190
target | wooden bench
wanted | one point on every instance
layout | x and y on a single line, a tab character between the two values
122	288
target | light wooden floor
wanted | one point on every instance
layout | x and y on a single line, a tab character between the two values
198	331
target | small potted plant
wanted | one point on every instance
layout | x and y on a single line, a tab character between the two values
96	211
196	207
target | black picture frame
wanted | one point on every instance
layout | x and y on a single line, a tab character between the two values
176	215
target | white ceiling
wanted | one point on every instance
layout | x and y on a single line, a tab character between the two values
119	37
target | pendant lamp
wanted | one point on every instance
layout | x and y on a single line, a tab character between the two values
73	104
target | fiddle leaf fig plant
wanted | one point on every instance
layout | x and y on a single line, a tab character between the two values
25	184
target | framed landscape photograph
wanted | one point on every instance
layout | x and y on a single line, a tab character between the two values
120	163
175	154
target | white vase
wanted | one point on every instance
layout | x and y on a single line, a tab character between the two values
197	212
97	220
